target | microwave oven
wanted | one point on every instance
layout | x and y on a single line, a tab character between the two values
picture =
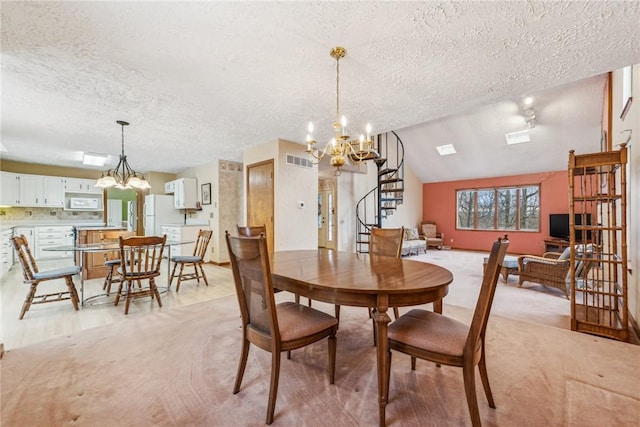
84	203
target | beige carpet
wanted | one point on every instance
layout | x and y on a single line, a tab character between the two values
176	368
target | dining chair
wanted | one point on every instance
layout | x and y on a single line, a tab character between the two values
33	277
140	260
384	242
443	340
272	327
196	260
112	258
251	230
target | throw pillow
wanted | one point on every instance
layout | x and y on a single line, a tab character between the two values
412	234
566	254
429	230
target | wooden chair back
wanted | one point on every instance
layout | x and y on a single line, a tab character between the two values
202	242
141	256
254	287
386	241
251	230
27	261
485	299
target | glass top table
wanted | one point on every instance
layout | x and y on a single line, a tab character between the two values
83	248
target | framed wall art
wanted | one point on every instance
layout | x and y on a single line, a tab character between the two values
206	193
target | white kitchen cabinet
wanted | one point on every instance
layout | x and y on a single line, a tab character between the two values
9	186
81	185
182	233
53	235
6	251
185	195
40	191
52	191
30	234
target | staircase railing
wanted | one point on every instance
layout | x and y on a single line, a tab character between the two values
381	201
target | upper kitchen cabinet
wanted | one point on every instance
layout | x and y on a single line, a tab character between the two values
32	190
80	185
9	187
185	193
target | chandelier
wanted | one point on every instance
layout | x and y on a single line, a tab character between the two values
122	176
341	145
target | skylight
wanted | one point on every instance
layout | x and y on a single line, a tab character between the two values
445	150
517	137
94	159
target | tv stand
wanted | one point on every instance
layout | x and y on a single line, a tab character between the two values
555	245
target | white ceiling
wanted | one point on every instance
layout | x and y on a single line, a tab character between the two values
200	81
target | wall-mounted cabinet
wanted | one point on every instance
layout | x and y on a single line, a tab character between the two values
81	185
9	186
25	190
185	192
32	190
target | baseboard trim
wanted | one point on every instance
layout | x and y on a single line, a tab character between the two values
221	264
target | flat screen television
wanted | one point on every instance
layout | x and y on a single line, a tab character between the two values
559	227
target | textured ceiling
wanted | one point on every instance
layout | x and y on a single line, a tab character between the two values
201	81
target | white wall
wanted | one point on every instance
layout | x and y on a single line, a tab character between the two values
631	121
294	228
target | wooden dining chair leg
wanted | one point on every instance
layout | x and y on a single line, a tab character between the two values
332	358
204	276
241	365
28	300
337	313
413	363
396	312
485	379
179	277
73	293
273	389
173	272
468	373
127	298
154	291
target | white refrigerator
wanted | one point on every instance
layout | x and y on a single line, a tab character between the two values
159	210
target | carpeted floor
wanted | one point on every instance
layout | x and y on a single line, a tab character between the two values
177	367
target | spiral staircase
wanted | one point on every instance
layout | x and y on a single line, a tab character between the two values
381	201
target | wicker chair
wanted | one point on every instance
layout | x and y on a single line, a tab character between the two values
551	269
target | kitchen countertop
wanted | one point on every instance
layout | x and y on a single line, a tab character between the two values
5	225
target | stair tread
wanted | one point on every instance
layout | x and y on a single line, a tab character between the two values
391	180
387	171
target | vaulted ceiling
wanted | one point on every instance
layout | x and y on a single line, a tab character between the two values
200	81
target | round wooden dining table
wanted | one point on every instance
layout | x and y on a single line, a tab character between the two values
361	280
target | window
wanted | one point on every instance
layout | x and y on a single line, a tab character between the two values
501	208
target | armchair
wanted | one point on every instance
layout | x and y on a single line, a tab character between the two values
428	232
552	269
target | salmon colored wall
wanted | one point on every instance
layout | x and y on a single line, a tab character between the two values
439	204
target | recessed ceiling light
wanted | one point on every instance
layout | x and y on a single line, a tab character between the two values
517	137
94	159
444	150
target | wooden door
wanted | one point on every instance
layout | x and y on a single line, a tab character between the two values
260	205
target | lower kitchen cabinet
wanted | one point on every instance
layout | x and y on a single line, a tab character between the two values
93	263
182	233
50	236
6	251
